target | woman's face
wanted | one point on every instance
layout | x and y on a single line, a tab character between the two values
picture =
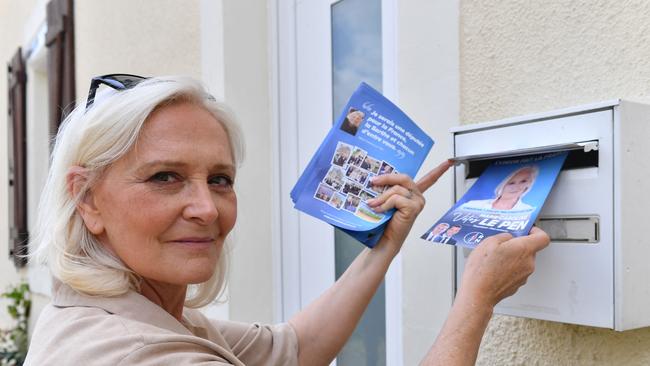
518	184
166	207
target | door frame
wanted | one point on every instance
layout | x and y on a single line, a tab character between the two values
303	247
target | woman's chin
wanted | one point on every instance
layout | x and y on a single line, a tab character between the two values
195	269
190	275
197	276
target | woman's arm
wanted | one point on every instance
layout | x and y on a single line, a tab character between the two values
495	270
325	325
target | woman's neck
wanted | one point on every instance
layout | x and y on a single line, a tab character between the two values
168	296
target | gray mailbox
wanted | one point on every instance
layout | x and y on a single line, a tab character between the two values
596	271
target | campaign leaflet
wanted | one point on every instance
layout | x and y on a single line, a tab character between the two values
371	137
506	198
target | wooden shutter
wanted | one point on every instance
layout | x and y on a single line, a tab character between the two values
60	60
17	79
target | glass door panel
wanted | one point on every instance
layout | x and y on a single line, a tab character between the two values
356	57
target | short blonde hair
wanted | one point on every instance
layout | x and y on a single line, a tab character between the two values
532	170
94	139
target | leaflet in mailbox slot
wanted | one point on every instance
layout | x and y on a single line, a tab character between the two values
506	198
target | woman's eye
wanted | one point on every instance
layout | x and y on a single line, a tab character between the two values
222	181
164	177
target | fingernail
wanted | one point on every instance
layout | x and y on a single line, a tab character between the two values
370	202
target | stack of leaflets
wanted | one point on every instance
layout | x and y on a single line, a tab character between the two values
371	137
506	198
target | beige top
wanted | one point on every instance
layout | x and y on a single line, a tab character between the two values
131	330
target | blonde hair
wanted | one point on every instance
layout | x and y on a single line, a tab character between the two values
533	171
94	139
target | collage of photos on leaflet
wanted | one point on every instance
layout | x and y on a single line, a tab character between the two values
347	185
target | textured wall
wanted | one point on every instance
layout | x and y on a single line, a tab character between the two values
521	57
146	37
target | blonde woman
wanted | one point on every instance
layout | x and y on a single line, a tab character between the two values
134	222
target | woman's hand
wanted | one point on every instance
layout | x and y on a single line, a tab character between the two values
495	270
500	265
406	197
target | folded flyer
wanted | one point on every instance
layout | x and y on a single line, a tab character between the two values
371	137
506	198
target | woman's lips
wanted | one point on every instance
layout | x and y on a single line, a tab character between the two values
194	241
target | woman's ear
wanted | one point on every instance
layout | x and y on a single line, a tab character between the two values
77	180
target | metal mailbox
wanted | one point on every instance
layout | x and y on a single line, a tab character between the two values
596	271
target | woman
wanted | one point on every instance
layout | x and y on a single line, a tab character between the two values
134	222
509	193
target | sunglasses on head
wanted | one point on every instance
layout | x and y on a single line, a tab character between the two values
115	81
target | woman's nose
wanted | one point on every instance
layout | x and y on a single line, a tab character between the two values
201	205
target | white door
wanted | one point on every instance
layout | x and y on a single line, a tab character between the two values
325	49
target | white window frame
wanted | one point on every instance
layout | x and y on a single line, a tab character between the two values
300	240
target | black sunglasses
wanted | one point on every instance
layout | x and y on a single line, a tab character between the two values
115	81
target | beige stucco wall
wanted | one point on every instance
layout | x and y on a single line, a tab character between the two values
150	37
521	57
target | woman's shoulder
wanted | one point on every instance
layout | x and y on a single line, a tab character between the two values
76	329
129	329
80	335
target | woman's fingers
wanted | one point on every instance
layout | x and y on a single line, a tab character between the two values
393	180
402	193
536	240
432	177
404	180
400	185
394	190
389	203
496	239
402	203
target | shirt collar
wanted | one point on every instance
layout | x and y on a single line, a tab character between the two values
130	305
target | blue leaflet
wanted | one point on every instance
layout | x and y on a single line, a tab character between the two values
506	198
371	137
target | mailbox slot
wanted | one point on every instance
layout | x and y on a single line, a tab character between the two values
577	159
